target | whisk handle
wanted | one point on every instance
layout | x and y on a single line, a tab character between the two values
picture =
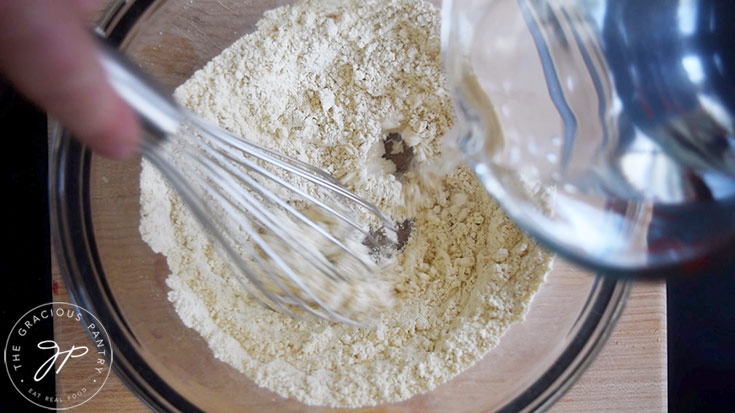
160	114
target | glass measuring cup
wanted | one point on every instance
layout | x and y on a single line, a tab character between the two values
603	128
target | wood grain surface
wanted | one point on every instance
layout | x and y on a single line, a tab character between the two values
628	375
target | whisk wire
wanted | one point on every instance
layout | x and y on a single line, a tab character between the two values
268	220
295	166
268	195
224	174
236	259
267	174
150	149
276	259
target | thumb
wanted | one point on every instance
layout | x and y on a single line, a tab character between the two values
46	52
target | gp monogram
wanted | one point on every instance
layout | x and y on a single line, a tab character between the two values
78	366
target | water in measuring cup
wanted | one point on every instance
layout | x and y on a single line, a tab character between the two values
582	142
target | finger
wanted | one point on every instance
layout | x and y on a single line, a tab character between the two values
49	56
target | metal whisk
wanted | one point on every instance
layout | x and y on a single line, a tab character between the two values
295	238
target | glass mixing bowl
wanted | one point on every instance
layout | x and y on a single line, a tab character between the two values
113	273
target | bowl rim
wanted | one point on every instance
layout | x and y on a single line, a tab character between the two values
72	236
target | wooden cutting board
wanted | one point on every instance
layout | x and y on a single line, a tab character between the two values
628	375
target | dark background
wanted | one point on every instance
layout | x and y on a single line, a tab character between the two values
701	312
25	264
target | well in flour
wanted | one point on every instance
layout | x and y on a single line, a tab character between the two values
327	82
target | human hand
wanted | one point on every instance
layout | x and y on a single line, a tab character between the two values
47	54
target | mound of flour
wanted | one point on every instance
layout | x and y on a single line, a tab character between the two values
328	82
